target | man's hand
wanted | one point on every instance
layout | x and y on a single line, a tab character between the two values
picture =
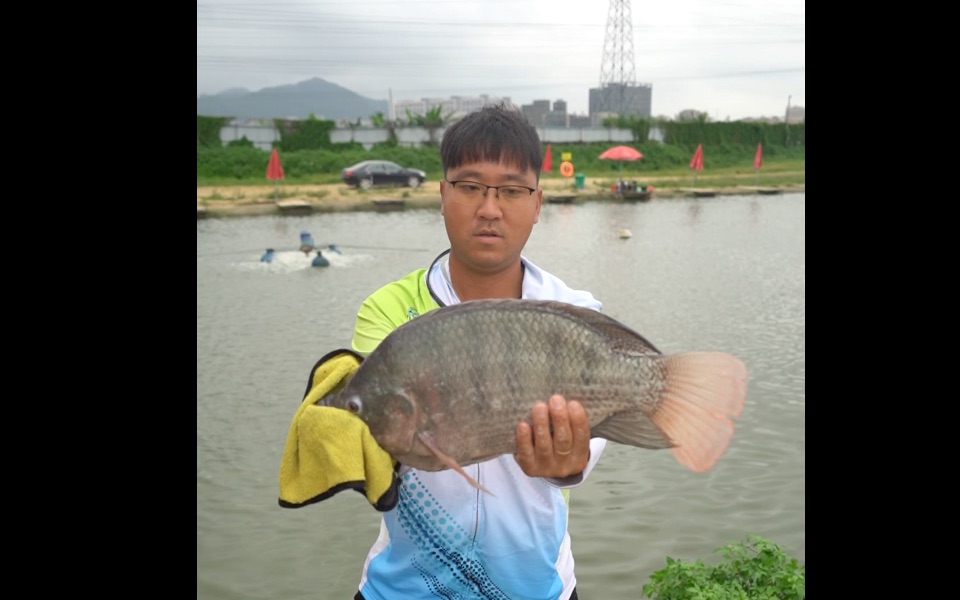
557	444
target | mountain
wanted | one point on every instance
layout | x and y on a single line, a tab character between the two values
314	96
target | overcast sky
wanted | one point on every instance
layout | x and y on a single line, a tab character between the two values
729	58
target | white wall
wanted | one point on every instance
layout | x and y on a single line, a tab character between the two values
263	136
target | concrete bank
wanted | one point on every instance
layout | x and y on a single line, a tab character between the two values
240	201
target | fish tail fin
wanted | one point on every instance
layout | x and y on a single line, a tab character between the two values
702	391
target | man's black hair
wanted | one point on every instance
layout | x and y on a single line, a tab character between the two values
494	133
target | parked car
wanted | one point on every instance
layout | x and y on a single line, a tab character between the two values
368	173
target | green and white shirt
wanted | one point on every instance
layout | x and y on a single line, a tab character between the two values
446	539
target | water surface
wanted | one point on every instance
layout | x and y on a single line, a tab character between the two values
725	273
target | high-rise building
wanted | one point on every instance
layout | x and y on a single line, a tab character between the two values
536	112
558	116
621	99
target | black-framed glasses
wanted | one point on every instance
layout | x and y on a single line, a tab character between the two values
472	191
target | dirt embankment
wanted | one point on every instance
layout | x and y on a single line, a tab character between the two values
239	200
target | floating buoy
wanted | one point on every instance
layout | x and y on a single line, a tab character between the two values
624	234
320	261
566	168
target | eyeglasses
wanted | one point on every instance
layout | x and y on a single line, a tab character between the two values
471	191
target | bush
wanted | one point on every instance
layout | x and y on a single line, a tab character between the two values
752	569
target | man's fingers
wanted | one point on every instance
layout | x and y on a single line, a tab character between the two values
542	437
562	436
580	426
556	441
524	443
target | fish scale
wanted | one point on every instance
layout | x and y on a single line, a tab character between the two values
452	384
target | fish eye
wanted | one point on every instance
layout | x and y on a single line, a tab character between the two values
354	405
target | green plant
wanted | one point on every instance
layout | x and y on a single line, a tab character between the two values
208	130
241	143
309	134
240	164
752	569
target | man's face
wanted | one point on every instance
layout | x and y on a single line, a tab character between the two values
488	233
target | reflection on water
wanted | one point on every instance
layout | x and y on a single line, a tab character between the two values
722	273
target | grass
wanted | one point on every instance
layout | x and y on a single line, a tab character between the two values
782	173
773	174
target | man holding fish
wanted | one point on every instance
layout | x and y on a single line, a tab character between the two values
463	363
446	538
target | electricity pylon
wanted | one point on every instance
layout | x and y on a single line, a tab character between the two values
618	74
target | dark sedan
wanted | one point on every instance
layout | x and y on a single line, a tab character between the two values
369	173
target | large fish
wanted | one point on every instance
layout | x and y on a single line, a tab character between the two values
448	388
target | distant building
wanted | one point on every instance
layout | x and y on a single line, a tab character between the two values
616	99
541	114
558	116
453	107
537	112
795	114
626	100
690	114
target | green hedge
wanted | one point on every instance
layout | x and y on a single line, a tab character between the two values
242	163
309	157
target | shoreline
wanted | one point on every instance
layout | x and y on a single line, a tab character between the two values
258	200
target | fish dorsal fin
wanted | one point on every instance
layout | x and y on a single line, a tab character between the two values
621	336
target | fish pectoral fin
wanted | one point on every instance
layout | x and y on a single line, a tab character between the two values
633	428
427	440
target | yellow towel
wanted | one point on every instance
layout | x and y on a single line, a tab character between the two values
330	449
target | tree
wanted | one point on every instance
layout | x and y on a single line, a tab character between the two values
432	121
382	122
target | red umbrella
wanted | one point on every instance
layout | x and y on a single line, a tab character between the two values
547	159
274	168
621	153
696	162
758	161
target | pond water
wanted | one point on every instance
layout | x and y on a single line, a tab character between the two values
724	273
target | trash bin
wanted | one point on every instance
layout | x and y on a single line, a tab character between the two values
580	178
